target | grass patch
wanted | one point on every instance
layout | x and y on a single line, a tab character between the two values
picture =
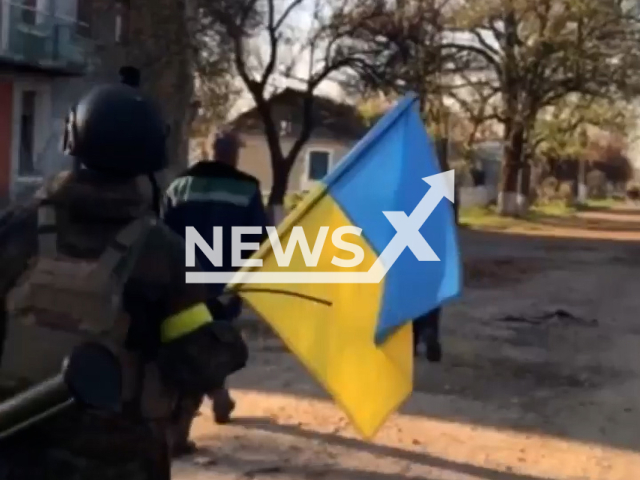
552	209
602	204
487	217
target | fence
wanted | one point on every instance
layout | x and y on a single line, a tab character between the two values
476	196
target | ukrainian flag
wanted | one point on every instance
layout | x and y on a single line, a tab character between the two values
356	338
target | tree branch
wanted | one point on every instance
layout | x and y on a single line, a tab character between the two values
484	54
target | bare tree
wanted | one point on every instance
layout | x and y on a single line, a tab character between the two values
216	88
214	96
478	100
408	36
246	21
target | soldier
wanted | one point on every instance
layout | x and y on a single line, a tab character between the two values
426	331
87	259
214	193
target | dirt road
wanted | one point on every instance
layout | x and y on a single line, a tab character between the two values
540	380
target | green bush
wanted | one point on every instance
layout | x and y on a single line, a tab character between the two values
565	193
547	191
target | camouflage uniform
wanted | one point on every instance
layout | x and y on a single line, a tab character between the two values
77	445
83	444
87	261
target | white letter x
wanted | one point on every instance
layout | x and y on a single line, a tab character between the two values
408	232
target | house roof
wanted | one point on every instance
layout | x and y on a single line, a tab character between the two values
339	120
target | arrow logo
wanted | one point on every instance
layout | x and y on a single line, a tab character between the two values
407	236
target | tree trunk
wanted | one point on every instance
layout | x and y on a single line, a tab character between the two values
442	152
524	186
582	182
536	178
160	45
280	173
509	200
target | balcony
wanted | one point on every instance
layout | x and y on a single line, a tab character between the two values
32	39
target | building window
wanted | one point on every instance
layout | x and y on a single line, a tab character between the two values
318	164
26	162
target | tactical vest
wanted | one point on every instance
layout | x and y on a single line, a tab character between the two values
62	301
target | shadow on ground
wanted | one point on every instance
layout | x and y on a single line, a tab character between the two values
246	457
571	378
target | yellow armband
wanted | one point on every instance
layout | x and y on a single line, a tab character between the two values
184	322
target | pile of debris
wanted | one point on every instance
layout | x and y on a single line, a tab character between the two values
548	318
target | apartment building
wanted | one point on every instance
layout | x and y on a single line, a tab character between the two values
48	58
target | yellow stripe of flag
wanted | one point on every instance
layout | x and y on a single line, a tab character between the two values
333	333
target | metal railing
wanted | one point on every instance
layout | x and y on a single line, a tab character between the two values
40	38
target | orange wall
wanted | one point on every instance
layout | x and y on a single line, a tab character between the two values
6	116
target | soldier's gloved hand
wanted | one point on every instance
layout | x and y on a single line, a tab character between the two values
233	306
227	307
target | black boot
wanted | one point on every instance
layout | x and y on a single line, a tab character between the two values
434	352
223	406
184	449
417	337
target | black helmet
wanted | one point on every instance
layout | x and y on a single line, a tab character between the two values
115	129
130	75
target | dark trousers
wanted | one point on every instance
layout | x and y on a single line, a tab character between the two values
188	410
426	329
220	398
